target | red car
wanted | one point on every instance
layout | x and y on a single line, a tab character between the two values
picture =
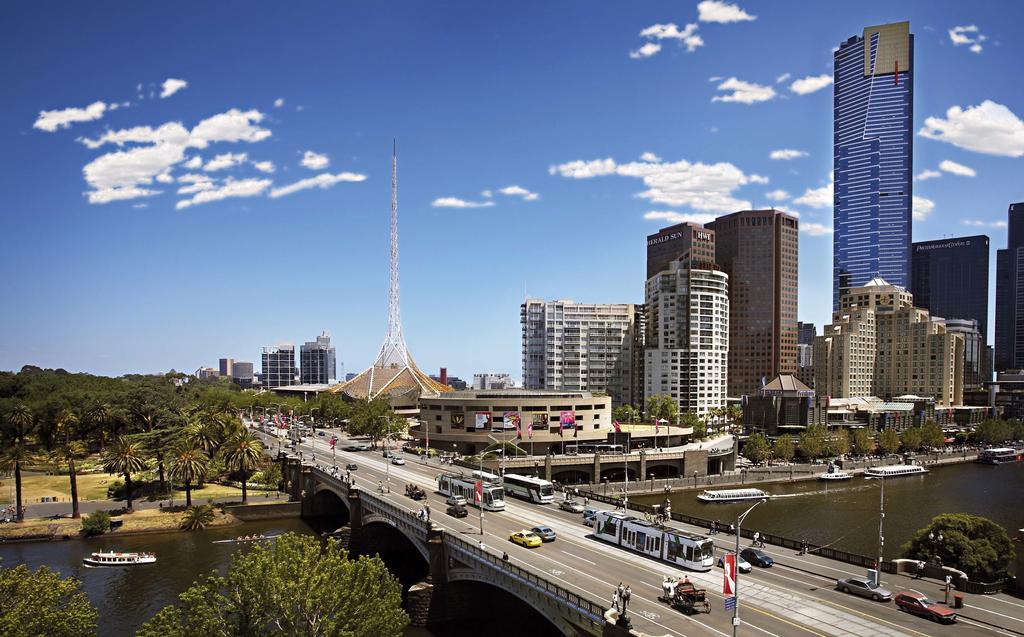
917	604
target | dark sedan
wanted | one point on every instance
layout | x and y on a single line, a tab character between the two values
757	557
546	533
457	511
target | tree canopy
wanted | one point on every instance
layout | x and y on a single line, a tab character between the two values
41	602
974	544
756	448
290	587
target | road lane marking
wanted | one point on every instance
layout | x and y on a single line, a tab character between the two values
969	622
579	558
994	612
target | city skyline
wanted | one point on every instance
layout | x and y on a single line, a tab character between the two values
513	149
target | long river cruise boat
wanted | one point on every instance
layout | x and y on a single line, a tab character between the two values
665	543
118	559
1001	455
732	495
895	471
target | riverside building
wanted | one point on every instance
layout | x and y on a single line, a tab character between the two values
317	362
1009	345
873	158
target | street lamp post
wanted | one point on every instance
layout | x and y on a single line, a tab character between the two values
881	530
387	467
736	562
936	541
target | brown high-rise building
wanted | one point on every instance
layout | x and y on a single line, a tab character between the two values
758	249
669	244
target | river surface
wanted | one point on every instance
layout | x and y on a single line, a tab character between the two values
844	515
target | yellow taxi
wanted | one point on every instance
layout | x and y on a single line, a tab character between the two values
529	539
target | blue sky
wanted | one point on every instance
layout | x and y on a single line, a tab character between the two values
599	120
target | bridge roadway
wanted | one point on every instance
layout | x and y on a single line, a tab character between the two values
775	602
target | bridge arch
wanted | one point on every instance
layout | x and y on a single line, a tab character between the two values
663	469
571	476
482	597
330	503
613	474
405	557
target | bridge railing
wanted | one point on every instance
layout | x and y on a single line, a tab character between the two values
592	610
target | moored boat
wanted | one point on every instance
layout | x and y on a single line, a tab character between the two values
834	474
1001	455
895	471
732	495
112	558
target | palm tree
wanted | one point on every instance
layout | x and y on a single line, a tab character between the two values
125	457
189	464
243	452
19	423
67	449
203	431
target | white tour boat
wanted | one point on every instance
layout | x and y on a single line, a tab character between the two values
732	495
895	471
119	559
834	474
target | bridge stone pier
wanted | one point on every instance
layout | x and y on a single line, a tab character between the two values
439	570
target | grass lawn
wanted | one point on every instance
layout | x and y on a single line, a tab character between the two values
143	520
93	486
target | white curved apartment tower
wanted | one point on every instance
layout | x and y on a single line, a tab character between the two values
687	355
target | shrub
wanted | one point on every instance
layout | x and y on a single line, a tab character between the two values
197	518
115	490
96	523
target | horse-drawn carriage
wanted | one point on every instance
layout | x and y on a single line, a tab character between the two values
415	492
683	596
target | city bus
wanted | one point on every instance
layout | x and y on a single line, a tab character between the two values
529	488
452	484
486	477
668	544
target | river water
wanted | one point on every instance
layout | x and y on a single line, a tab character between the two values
844	515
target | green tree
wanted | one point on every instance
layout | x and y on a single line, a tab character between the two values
837	443
756	448
888	441
992	432
976	545
626	413
932	435
243	453
125	457
783	449
291	587
96	523
17	451
911	438
863	443
375	419
812	442
197	518
67	448
189	464
693	421
41	602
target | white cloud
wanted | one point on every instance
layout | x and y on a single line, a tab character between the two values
984	224
925	175
822	197
743	92
232	126
813	229
231	188
519	191
782	78
172	86
810	84
777	195
226	160
50	121
191	178
988	128
198	186
170	133
487	194
106	195
954	168
315	161
140	205
688	36
921	208
702	187
279	102
165	178
678	217
323	180
264	166
787	153
722	12
455	202
194	163
645	51
650	157
968	34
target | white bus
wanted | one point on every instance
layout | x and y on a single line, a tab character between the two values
668	544
486	477
529	488
452	484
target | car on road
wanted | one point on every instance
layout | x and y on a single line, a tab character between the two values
864	587
351	467
588	515
456	511
757	557
320	433
743	565
455	500
545	533
918	604
388	454
571	506
352	448
529	539
363	447
397	460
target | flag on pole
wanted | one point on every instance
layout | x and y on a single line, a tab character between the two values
529	430
478	491
729	575
333	440
618	429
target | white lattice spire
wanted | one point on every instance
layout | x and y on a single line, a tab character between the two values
394	350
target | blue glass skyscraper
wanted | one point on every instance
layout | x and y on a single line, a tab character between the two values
873	158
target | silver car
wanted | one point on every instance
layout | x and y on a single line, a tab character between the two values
864	587
571	506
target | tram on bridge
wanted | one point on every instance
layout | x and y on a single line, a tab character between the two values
491	495
668	544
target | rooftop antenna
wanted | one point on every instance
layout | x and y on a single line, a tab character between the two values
394	350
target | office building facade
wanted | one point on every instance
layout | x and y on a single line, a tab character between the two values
226	367
278	367
805	333
687	342
242	373
1009	345
758	250
569	346
873	158
317	364
974	350
493	380
669	244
